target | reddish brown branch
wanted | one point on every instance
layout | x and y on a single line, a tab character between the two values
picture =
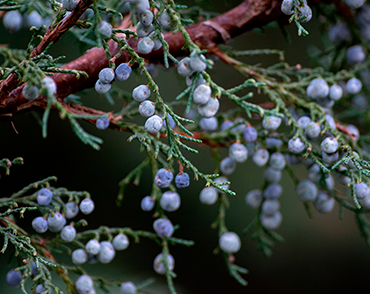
248	15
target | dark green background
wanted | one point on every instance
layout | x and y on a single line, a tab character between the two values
323	255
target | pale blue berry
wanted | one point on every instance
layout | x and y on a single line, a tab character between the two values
306	190
44	196
163	178
165	21
40	224
101	87
170	118
324	203
92	247
102	123
147	203
72	210
353	86
254	198
329	145
330	158
296	145
87	206
208	195
106	75
105	29
153	124
141	93
318	89
335	92
305	11
123	72
271	221
260	157
271	123
273	191
50	85
56	222
210	108
163	228
250	134
146	17
143	31
227	166
14	278
183	68
303	121
141	6
159	266
12	21
313	130
145	45
40	289
197	64
277	161
240	125
354	132
30	92
270	206
229	242
272	175
128	288
106	253
84	284
146	108
362	190
287	7
202	94
226	125
79	256
182	180
68	233
238	152
120	242
170	201
209	124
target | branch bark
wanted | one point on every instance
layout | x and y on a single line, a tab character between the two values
246	16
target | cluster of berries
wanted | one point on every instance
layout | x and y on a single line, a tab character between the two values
107	75
170	201
13	20
31	92
145	30
56	222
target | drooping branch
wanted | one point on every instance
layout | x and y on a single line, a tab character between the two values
207	35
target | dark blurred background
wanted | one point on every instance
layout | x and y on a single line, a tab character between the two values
319	255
